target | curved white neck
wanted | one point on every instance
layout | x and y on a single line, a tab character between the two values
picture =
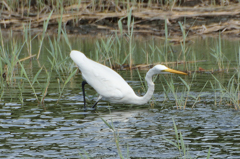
144	99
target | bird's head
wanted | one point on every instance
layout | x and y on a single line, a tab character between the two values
161	69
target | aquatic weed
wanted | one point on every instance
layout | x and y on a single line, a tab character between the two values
218	54
180	144
116	137
45	26
230	92
181	97
31	83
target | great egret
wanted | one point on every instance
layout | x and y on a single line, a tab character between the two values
110	85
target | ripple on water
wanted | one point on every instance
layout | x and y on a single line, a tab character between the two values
68	132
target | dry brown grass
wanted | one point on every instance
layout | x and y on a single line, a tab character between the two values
149	16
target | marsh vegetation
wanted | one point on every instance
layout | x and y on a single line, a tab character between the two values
41	103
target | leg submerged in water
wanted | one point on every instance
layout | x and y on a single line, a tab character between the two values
99	98
83	90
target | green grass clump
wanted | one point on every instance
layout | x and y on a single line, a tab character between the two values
116	137
230	93
181	146
218	54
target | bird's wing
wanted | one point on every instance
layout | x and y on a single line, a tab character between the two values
110	88
106	82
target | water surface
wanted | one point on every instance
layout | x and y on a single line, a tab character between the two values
65	130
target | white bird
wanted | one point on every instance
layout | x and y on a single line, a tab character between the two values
110	85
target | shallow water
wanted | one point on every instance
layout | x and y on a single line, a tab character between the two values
65	130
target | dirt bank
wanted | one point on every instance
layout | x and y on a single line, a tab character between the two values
196	17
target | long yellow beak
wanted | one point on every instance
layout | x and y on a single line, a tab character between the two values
175	71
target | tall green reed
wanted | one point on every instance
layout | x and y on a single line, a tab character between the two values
165	52
184	48
181	97
181	146
105	48
58	58
166	44
65	83
152	53
31	82
230	92
219	91
130	24
60	25
45	86
28	39
9	58
200	94
59	62
45	26
116	137
218	54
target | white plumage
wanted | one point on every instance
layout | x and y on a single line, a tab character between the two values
110	85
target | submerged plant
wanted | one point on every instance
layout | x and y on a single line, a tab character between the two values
9	59
180	144
230	92
184	49
58	58
45	26
129	37
180	97
65	83
104	48
115	135
200	94
165	50
31	83
218	54
45	86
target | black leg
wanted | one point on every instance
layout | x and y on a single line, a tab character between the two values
83	90
99	98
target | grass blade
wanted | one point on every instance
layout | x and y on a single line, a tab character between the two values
68	79
109	125
209	152
35	77
43	34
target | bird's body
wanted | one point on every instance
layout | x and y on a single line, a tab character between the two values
110	85
103	80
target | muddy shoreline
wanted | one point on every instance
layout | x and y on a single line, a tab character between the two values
83	20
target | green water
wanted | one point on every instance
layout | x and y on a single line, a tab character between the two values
60	128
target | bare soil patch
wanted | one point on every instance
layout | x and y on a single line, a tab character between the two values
197	17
